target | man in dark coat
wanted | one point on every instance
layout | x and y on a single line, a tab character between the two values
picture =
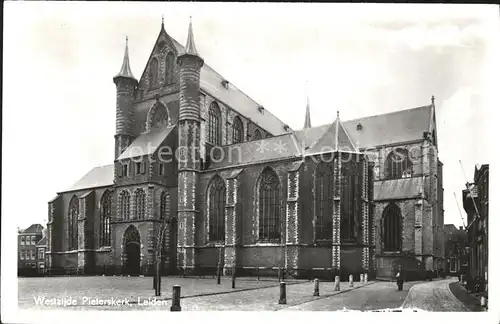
400	278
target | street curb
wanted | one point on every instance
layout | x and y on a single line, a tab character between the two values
224	292
327	296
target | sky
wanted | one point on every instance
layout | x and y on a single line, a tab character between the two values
60	58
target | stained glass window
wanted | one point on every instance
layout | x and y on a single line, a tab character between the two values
217	204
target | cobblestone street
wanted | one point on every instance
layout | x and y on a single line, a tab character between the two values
434	296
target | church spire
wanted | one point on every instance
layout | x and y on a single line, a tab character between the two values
307	123
190	47
125	71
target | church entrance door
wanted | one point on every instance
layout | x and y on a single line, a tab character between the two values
132	244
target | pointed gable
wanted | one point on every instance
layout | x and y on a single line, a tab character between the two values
164	44
212	83
334	139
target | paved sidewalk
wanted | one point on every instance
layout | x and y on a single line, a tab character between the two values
381	295
132	288
434	296
472	302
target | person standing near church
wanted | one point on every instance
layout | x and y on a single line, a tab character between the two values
399	278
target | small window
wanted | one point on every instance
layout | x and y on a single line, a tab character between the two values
138	168
143	167
22	255
125	170
22	240
162	169
40	254
33	240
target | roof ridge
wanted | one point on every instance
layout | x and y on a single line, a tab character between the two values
208	66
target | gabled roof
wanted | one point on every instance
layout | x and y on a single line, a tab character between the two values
34	228
147	143
100	176
334	139
397	189
211	82
268	149
384	129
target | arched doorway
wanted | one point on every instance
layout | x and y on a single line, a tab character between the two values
132	251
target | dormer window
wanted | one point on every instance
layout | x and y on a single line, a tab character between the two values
359	127
225	84
286	128
261	109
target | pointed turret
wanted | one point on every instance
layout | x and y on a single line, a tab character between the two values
189	166
190	48
307	123
126	71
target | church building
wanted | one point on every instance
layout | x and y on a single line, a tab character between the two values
205	176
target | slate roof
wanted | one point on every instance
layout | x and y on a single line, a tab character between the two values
43	241
100	176
34	228
147	143
268	149
397	189
334	139
385	129
211	82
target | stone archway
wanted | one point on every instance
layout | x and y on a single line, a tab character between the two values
132	251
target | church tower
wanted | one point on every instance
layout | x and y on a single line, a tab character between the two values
190	64
125	87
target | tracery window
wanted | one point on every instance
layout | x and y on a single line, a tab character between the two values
256	135
169	68
269	206
125	205
398	164
214	124
140	200
323	190
153	72
237	130
216	206
164	205
391	226
349	200
105	219
73	224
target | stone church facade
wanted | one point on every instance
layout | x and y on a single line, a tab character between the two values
203	175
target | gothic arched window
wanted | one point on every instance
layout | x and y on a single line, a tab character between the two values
105	219
256	135
214	124
237	130
169	68
269	206
216	206
323	190
398	164
349	200
157	116
391	228
140	201
164	205
125	205
153	72
73	224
